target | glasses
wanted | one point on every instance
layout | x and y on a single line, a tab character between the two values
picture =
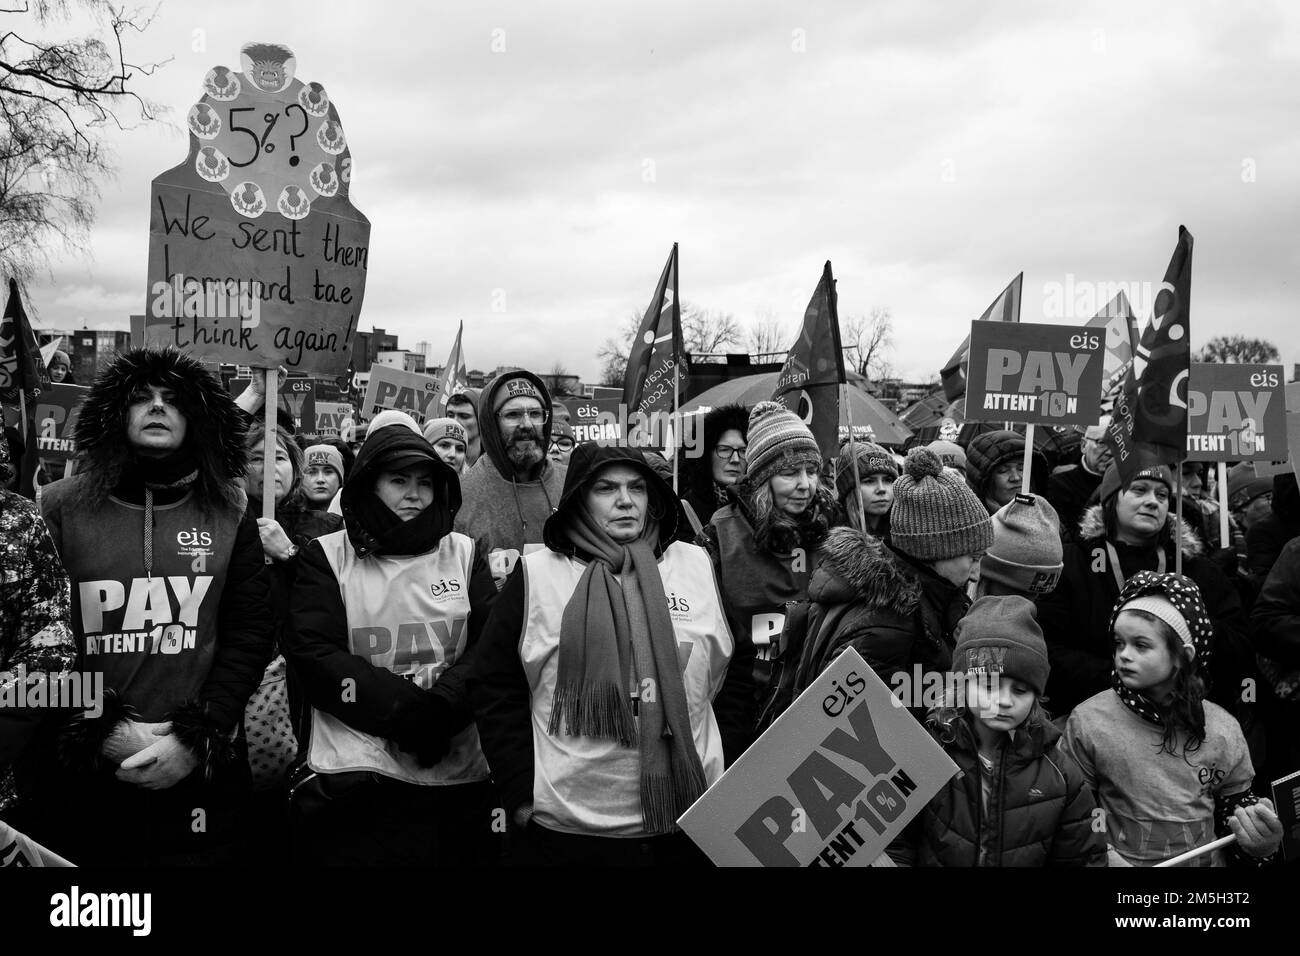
727	452
562	444
535	416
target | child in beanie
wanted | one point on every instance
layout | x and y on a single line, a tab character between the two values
1020	800
1026	556
1169	768
449	440
322	475
875	474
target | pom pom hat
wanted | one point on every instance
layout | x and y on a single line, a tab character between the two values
935	514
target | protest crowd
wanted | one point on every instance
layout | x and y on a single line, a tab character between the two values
545	656
462	633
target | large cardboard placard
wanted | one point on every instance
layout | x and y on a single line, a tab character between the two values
1236	412
56	419
256	254
1046	374
409	392
330	417
830	783
297	398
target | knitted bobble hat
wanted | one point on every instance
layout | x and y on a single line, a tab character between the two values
872	460
935	514
777	437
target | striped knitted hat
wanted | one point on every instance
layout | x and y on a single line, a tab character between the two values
777	437
935	514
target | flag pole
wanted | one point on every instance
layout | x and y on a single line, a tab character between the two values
853	457
271	402
1225	539
676	419
1029	458
1178	524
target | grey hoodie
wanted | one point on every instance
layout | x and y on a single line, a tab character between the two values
503	515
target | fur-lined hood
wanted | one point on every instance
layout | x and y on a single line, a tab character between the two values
858	566
215	432
1093	525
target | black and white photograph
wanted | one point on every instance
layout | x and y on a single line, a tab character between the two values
503	450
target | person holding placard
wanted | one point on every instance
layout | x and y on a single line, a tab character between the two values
994	467
766	544
1132	530
597	687
1170	769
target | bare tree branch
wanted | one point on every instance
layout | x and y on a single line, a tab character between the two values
767	334
867	341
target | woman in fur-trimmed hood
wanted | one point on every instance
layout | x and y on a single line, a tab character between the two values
1132	530
169	604
214	440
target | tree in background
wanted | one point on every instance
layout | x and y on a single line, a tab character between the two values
767	335
703	331
1231	349
867	341
56	98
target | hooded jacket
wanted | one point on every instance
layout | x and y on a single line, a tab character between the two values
987	450
501	514
177	619
1075	617
409	683
1266	539
503	695
1040	810
701	493
897	613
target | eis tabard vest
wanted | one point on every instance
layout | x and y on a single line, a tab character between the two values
154	636
409	614
593	786
756	586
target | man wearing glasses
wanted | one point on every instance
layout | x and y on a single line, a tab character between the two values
513	487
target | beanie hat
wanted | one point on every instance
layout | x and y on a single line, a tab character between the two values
1244	487
1161	607
1000	635
777	437
561	429
1111	485
514	386
324	455
60	357
872	460
935	514
986	451
437	429
1026	554
950	453
390	416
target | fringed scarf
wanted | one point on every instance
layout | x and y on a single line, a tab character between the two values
619	676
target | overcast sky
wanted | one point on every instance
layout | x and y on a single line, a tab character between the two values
930	151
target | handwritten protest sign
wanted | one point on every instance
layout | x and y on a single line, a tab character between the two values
830	783
410	392
1236	412
1048	374
256	254
56	420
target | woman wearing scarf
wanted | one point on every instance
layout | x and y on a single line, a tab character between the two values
594	682
385	614
765	546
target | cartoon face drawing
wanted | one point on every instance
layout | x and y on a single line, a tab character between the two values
269	66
